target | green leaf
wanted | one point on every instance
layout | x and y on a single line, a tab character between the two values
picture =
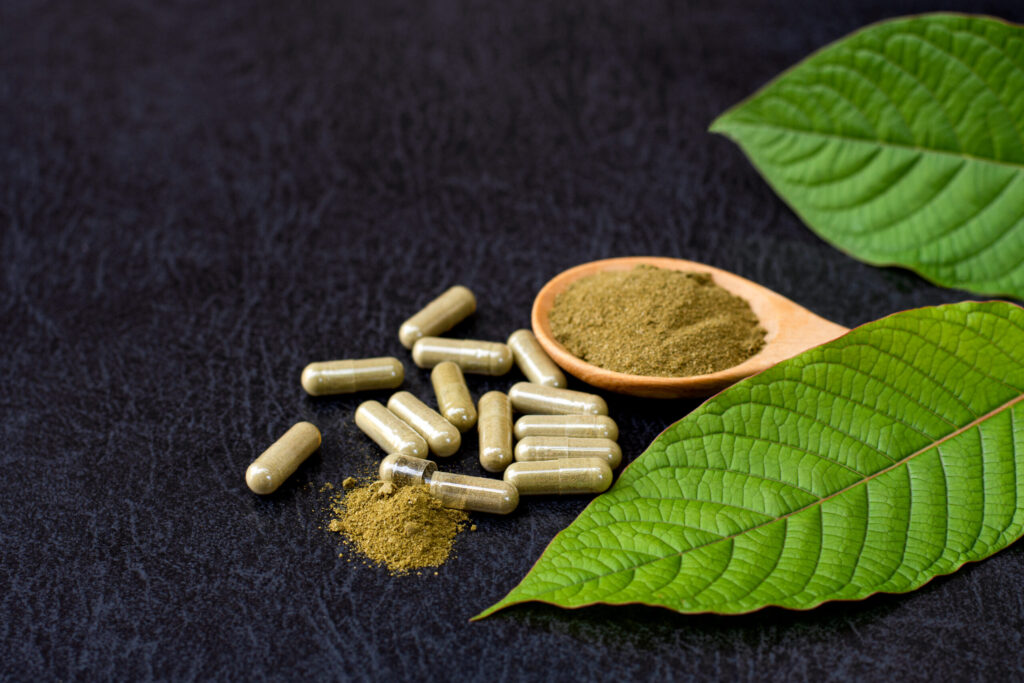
903	144
869	464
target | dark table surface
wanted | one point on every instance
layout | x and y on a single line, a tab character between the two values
197	199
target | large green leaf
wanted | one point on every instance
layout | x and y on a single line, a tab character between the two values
903	144
873	463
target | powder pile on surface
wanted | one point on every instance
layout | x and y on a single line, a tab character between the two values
402	528
656	322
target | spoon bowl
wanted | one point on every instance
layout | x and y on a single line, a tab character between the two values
790	329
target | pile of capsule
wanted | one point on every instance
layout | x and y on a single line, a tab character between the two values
563	443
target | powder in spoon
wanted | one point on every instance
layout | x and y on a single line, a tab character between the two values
402	528
656	322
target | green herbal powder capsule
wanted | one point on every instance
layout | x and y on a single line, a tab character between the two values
453	490
348	376
388	431
577	475
473	356
537	398
284	456
441	436
453	397
439	316
533	361
583	426
553	447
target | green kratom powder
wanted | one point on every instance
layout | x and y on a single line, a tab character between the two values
656	322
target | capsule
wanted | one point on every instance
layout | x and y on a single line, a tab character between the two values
269	471
439	316
533	361
554	447
495	429
405	470
576	475
453	397
580	426
348	376
442	437
473	356
537	398
453	490
388	431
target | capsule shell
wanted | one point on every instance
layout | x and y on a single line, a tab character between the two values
388	431
537	398
277	463
573	475
533	361
442	437
453	397
554	447
473	356
405	470
495	430
473	493
439	316
580	426
348	376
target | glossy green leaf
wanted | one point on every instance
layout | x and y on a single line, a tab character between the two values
872	463
903	144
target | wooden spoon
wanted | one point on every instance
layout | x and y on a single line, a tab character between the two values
791	329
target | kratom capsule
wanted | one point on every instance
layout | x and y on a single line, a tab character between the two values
453	397
404	470
473	356
439	316
348	376
569	475
453	490
580	426
441	436
388	431
537	398
533	361
495	428
554	447
269	471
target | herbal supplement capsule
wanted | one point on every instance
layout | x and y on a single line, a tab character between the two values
268	472
533	361
388	431
537	398
439	316
581	426
441	435
453	490
495	429
453	395
569	475
405	470
473	493
478	357
554	447
348	376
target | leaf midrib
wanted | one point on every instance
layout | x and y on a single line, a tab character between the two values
935	444
721	126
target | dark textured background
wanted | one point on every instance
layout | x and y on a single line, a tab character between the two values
196	199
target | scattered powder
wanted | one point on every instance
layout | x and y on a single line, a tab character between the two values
402	528
349	483
655	322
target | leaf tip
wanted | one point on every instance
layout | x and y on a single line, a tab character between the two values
500	605
720	125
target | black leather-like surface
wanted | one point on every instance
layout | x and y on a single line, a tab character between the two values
196	199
